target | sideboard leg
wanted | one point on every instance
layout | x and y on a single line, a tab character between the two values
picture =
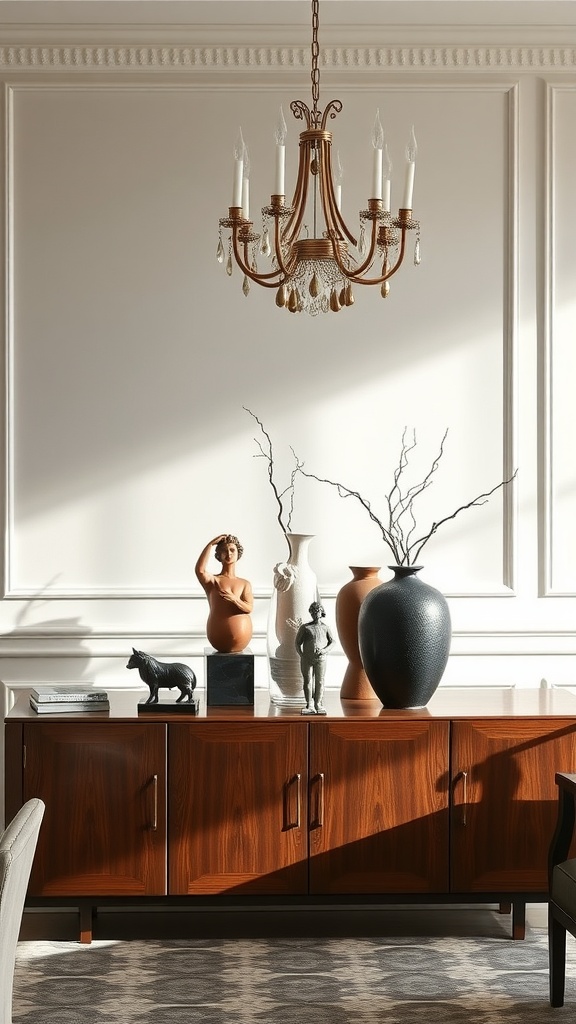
519	919
85	912
505	908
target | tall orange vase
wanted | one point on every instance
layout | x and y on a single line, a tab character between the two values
355	685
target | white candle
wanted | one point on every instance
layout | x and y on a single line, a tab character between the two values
238	170
339	196
280	136
408	186
280	164
387	176
378	143
411	151
246	198
246	185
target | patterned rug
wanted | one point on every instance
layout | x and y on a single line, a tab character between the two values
404	980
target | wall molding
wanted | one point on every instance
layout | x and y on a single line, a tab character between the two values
229	59
505	588
59	643
547	540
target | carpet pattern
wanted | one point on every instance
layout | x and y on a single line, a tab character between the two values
420	980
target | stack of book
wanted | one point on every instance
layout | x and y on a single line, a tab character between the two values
54	700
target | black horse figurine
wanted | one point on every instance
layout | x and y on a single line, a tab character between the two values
157	674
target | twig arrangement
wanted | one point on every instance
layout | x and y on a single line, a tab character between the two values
284	498
399	531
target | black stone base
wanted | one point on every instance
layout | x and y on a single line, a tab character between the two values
229	679
186	707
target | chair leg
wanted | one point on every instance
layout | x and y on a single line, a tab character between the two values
557	958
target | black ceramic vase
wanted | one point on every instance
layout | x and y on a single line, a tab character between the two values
404	634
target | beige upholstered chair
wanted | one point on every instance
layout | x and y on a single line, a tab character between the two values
17	847
562	887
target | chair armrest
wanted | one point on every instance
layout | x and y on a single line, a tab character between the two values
566	781
562	838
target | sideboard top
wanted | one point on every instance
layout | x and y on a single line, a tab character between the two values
448	703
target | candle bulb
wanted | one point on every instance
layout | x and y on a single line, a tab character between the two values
280	136
246	185
411	151
238	170
387	172
378	143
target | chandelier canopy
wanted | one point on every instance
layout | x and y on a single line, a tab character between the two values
315	258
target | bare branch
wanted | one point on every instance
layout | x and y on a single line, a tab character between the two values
267	452
345	492
269	456
481	499
400	504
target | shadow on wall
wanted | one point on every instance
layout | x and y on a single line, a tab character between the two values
36	650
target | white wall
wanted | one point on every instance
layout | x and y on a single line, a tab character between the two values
130	354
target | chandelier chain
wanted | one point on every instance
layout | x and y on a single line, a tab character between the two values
315	75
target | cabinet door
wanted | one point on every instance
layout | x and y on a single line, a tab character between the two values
505	801
379	807
237	795
104	830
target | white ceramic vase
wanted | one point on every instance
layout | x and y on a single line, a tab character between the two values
295	588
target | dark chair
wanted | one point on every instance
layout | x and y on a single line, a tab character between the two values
562	887
17	848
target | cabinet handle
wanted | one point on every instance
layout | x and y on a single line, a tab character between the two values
298	797
290	823
155	814
318	820
464	796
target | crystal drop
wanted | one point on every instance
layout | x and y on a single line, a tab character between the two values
281	296
245	285
362	242
314	287
417	253
293	301
385	289
229	266
348	295
265	244
334	301
220	251
342	297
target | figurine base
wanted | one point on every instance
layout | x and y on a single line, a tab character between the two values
229	679
186	707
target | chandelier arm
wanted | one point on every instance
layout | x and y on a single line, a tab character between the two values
371	250
388	275
263	279
355	274
282	268
292	228
334	220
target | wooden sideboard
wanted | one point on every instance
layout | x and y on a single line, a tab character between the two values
455	803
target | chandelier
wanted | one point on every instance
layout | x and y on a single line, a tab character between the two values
314	258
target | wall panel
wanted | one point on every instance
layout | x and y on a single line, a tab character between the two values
130	354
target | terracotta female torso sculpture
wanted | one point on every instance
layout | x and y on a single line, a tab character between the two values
229	626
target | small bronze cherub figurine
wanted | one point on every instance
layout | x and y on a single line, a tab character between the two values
158	674
313	641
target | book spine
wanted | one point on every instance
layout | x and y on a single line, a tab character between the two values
55	709
68	698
